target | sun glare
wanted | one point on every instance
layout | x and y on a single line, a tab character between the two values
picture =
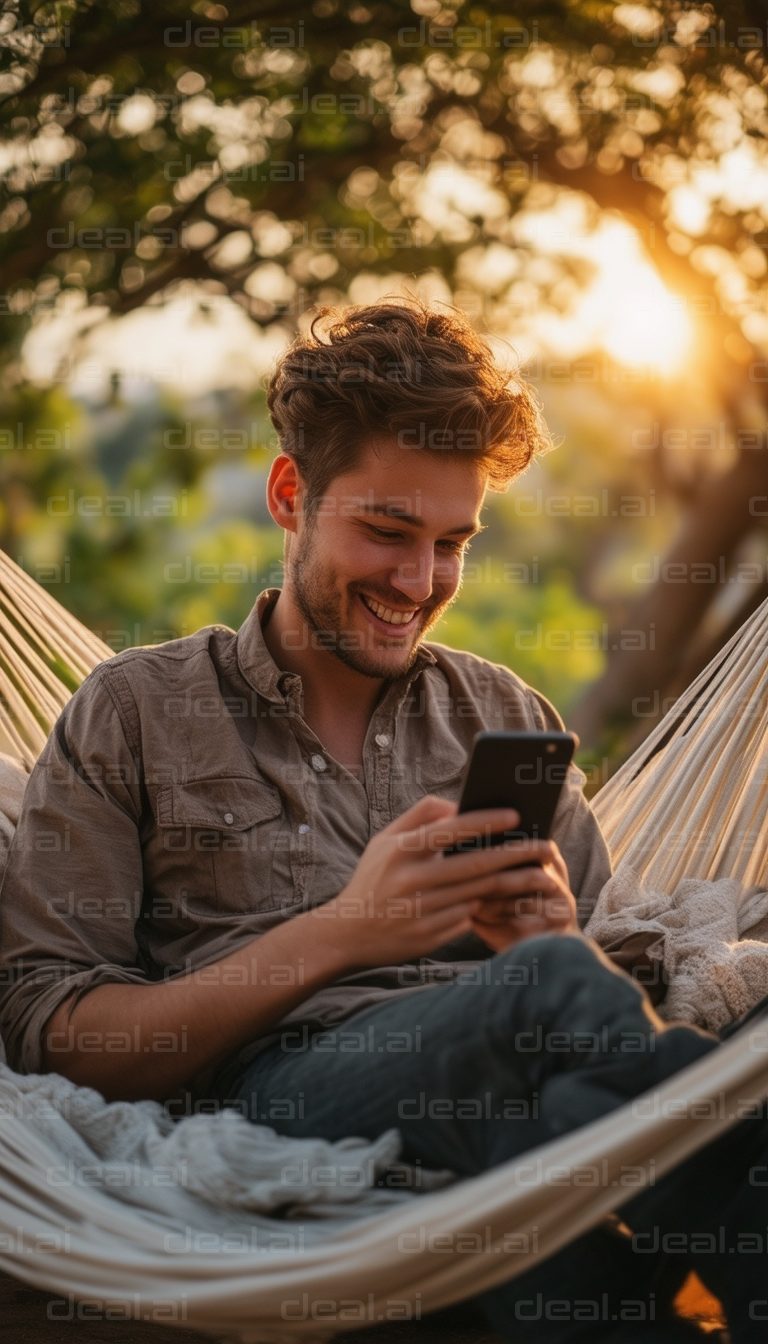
638	320
647	325
625	309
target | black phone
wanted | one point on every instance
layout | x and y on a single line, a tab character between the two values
521	770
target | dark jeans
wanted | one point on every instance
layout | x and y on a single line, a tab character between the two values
541	1039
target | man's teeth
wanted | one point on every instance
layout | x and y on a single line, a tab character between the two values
387	614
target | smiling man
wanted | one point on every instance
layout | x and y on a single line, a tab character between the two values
229	874
256	789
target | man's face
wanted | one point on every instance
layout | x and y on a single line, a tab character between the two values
382	559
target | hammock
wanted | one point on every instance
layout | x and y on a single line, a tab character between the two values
44	655
691	801
375	1259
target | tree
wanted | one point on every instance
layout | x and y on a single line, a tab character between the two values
276	153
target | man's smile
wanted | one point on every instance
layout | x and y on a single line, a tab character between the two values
404	620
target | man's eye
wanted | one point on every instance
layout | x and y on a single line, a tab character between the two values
456	546
385	535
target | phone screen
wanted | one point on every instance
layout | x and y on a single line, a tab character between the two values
521	770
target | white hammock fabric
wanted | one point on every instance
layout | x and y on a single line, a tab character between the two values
393	1264
692	800
372	1258
44	655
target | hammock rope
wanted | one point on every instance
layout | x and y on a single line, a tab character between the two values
692	800
44	656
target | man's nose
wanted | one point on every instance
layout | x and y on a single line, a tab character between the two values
415	577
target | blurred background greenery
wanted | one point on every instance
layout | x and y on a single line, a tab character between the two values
185	184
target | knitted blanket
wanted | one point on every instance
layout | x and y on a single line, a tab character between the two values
709	938
218	1173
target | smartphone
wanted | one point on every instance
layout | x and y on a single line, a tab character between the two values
521	770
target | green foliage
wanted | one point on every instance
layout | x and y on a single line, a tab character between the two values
220	570
106	510
543	632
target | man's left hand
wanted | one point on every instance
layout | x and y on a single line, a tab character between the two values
537	899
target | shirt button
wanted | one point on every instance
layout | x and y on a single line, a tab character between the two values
319	764
382	740
228	818
304	829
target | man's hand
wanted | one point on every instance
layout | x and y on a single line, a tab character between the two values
540	898
407	897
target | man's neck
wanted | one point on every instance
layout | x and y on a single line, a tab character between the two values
338	701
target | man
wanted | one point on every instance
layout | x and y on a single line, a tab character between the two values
249	895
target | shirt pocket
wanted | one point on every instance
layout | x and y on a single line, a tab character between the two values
432	773
230	829
410	788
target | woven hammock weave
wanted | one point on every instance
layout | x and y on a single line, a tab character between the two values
44	655
692	800
119	1257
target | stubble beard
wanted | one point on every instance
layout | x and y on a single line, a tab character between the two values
320	603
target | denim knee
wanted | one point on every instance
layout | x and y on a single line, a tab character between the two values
562	983
557	959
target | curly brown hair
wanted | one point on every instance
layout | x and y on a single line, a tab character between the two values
406	370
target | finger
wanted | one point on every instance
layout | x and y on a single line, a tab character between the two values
526	882
531	850
514	932
554	910
443	870
443	832
488	868
554	898
488	886
446	925
558	862
511	854
448	915
426	905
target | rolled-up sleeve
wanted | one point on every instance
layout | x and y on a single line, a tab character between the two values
72	889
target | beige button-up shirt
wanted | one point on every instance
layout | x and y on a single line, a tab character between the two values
182	807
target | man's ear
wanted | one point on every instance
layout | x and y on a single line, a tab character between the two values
285	492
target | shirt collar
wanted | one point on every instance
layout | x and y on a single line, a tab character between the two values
259	667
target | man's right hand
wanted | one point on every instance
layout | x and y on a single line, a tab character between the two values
405	899
406	896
